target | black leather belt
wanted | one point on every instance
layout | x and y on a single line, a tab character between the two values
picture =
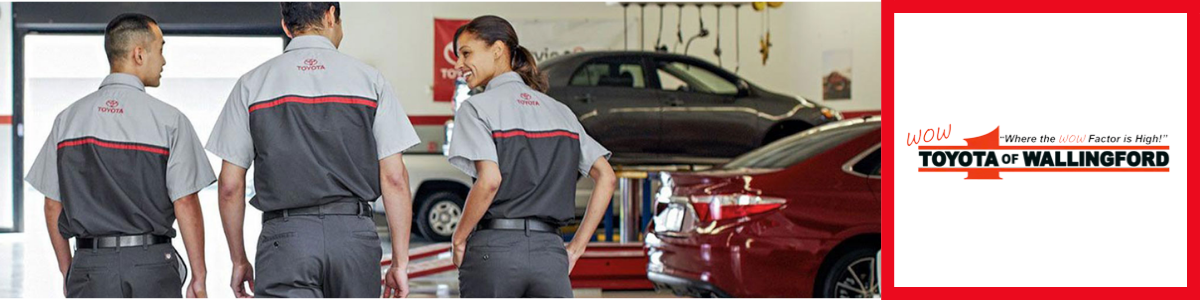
121	241
353	208
517	224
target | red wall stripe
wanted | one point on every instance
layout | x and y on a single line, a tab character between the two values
855	114
429	120
112	146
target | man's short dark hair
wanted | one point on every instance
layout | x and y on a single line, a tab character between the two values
300	16
124	32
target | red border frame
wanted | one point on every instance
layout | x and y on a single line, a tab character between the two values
1015	6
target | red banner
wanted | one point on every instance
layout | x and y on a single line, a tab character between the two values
444	72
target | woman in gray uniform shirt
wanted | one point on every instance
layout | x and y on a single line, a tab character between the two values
526	151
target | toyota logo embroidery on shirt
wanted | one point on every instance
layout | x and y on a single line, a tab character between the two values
311	64
526	99
112	107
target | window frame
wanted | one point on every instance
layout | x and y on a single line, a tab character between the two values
619	60
657	82
848	167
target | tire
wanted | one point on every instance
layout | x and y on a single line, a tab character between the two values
839	280
438	216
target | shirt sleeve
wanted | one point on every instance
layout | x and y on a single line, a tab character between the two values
471	140
590	151
188	170
230	138
393	131
43	175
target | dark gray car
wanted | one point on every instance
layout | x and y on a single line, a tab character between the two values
661	108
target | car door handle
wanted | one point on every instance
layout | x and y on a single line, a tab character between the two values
674	102
585	98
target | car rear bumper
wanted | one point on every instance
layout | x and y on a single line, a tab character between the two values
685	287
747	260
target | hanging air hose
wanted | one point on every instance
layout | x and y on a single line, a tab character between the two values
703	31
658	45
625	24
642	28
679	27
717	51
737	29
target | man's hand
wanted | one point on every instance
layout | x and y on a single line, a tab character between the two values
62	247
397	206
64	272
459	249
197	288
242	273
191	226
64	284
231	188
573	255
396	282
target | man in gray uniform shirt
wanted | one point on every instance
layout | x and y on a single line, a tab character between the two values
117	169
325	132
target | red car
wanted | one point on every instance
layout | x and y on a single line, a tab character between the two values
796	218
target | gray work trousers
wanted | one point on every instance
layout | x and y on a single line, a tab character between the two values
335	256
514	263
154	271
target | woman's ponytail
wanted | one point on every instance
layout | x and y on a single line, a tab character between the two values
525	65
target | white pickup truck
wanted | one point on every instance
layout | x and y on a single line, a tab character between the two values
439	191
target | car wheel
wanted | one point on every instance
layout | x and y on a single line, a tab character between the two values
438	217
852	275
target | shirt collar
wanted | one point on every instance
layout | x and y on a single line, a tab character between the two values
310	41
507	77
123	79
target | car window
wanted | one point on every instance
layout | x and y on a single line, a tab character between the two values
613	74
868	165
678	76
798	147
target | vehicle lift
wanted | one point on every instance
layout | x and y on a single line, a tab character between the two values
618	262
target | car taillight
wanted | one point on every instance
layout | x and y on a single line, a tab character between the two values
723	207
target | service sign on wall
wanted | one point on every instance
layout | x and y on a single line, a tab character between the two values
545	38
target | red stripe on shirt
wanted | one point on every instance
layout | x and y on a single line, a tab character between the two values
314	100
112	146
535	135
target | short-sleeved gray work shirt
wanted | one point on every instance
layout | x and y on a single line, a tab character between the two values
537	142
117	159
315	122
